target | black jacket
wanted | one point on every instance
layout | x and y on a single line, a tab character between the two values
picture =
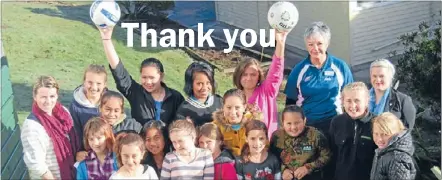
402	106
395	161
141	102
352	147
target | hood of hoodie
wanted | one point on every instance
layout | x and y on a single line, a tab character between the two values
400	142
81	98
120	120
224	157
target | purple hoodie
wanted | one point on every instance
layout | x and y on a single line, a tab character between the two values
265	94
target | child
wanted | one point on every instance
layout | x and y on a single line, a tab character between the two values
210	138
394	156
100	162
255	161
200	89
112	112
350	135
187	161
156	142
87	96
303	150
232	117
130	150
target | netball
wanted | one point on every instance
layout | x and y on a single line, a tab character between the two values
283	16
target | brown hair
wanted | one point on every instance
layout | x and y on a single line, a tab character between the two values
45	81
239	70
211	131
112	94
388	123
96	69
235	92
249	126
97	125
182	125
127	138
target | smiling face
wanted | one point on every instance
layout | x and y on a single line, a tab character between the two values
46	98
131	155
154	141
381	78
201	86
293	123
212	145
151	78
94	84
316	46
233	109
182	141
257	140
97	142
111	110
355	103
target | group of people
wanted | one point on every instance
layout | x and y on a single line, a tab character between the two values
330	128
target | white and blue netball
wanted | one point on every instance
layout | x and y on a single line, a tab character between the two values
283	16
105	13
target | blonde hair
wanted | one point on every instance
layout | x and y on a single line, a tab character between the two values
239	70
45	81
96	69
388	123
356	86
182	125
384	63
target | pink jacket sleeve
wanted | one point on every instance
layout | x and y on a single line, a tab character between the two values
274	77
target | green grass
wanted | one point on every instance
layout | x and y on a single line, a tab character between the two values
59	40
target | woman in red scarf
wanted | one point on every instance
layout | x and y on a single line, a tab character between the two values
49	140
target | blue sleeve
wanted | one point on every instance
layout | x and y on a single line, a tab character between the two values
291	90
82	171
348	75
77	124
115	166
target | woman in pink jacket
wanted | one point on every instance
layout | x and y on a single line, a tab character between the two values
262	91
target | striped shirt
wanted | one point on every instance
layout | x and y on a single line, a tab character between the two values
38	151
200	168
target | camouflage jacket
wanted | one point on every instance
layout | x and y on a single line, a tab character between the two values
309	149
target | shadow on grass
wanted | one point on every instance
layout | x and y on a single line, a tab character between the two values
81	13
24	99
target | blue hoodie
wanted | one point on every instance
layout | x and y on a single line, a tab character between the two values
81	111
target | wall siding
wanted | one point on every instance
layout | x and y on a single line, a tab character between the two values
12	164
375	31
253	15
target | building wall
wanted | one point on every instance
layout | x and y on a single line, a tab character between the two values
375	30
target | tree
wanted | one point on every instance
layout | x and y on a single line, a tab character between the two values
419	67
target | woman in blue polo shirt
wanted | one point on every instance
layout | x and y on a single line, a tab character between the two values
315	83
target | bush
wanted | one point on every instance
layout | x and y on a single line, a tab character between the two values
419	67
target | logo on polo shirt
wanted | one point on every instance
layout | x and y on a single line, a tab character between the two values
329	73
307	78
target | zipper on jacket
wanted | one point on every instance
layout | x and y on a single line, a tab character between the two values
355	133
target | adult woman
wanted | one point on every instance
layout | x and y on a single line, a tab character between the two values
384	98
87	97
48	136
394	156
262	91
157	144
200	87
151	99
303	150
316	82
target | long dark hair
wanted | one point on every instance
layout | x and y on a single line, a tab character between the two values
200	67
252	125
292	109
159	125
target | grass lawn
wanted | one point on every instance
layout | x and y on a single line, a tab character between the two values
59	40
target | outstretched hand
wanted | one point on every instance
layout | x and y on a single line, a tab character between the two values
280	36
106	33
